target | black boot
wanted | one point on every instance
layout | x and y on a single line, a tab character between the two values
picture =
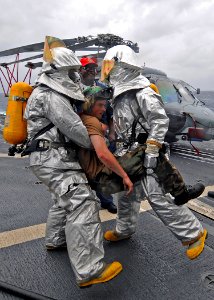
190	192
111	207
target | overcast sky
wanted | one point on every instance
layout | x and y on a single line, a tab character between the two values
175	36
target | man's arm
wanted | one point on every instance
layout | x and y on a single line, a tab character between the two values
108	159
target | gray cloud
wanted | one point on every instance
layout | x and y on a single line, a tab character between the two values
174	36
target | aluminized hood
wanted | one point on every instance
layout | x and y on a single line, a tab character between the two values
124	79
54	74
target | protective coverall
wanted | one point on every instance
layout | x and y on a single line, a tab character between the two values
132	98
74	216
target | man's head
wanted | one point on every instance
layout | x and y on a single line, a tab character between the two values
96	99
88	70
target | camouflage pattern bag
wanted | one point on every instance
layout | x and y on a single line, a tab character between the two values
167	175
132	163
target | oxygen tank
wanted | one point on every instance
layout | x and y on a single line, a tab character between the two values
155	88
15	127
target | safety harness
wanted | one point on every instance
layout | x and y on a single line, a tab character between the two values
142	137
36	145
43	145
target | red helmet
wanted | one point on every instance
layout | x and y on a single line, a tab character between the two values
88	60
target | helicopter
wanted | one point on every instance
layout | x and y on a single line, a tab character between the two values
189	117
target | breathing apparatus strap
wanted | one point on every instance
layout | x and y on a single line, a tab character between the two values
32	145
43	145
142	137
43	130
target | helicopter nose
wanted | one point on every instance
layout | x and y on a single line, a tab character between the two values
202	116
206	117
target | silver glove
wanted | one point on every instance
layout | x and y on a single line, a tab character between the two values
151	154
150	162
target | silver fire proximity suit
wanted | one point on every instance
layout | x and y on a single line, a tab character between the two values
132	98
74	216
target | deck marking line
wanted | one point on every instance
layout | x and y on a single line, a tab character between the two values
21	235
15	156
208	188
26	234
30	233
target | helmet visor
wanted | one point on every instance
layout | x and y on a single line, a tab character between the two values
107	66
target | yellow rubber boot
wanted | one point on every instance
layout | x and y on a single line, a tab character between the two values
109	273
113	236
195	249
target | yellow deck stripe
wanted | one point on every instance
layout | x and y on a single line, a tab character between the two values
21	235
26	234
208	188
6	155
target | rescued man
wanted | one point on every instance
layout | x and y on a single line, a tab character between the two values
54	130
134	99
88	72
95	161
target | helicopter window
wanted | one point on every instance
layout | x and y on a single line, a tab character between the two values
190	92
177	90
186	92
167	90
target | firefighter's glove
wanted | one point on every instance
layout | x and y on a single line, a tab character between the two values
151	154
150	162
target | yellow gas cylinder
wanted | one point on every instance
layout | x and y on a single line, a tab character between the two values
15	127
155	88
